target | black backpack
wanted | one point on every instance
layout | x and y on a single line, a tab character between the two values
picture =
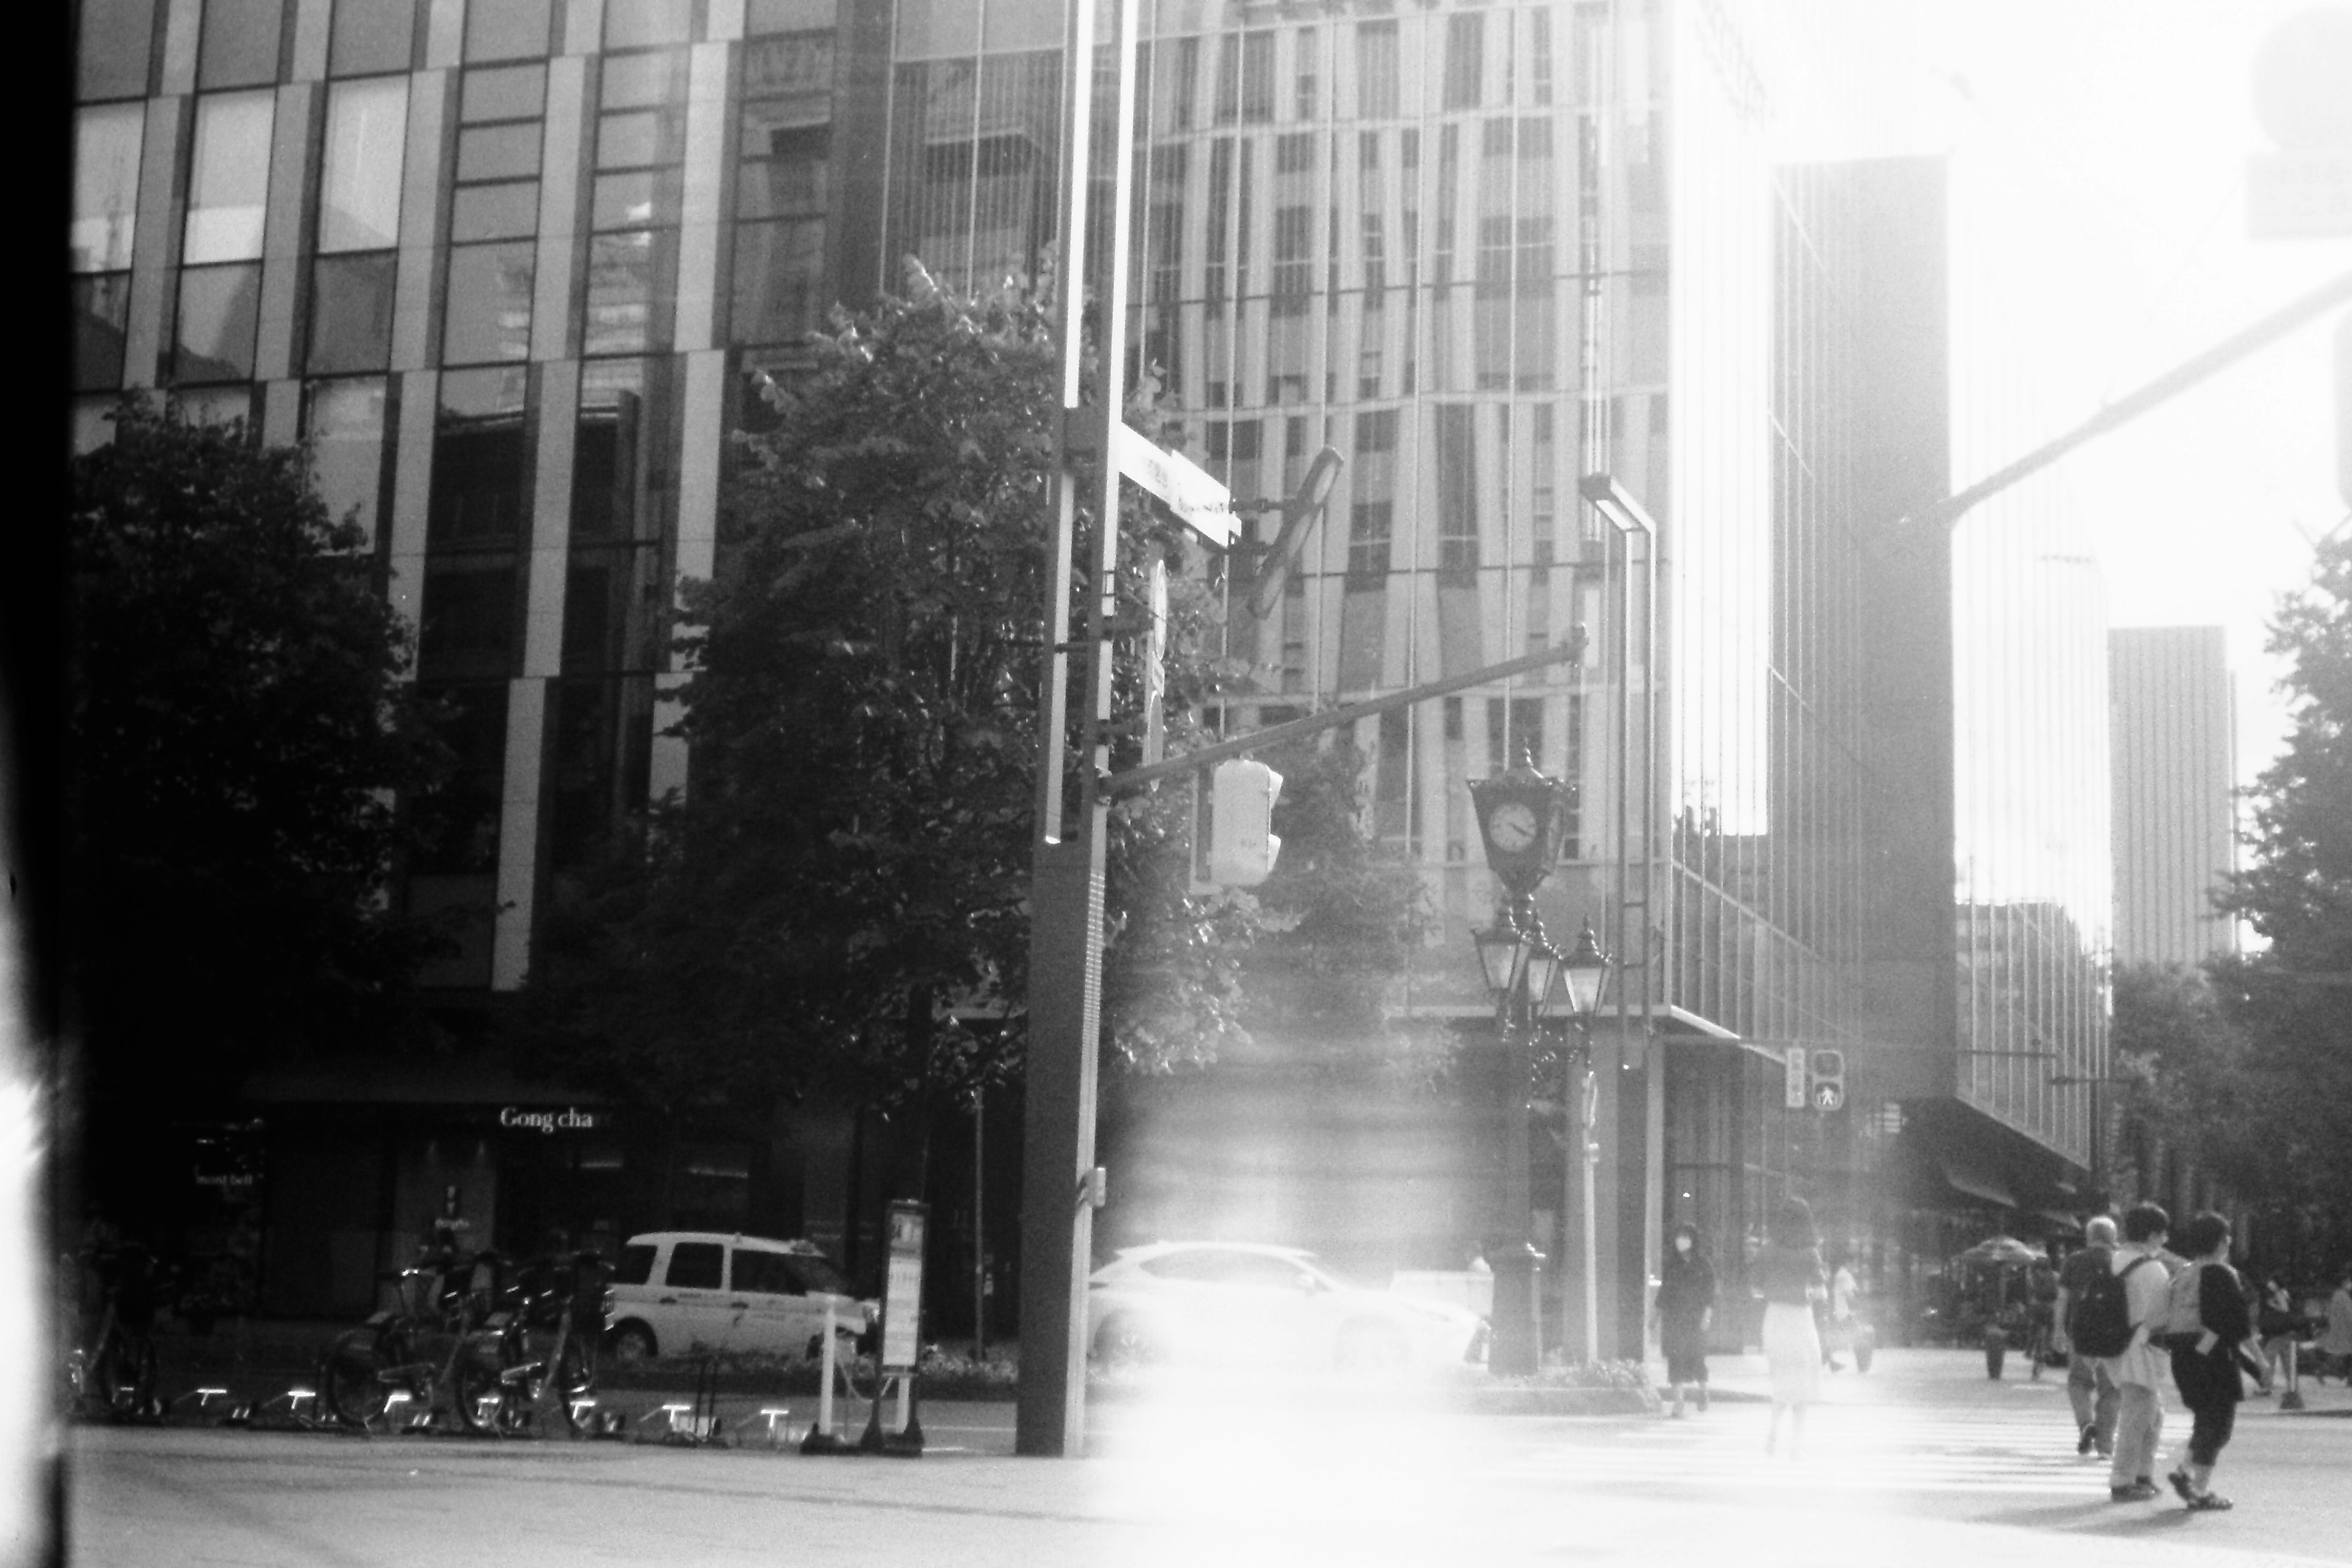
2102	1321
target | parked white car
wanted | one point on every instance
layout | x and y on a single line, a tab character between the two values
676	1292
1208	1302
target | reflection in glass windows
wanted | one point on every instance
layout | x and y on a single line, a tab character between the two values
371	35
101	313
488	303
114	48
241	40
507	29
228	177
350	313
346	422
359	181
477	459
978	208
785	147
219	308
106	186
633	259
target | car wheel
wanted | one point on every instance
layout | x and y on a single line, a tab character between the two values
1123	1342
631	1342
1373	1349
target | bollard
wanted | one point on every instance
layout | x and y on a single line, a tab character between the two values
821	1439
2293	1398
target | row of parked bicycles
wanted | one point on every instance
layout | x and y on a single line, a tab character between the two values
500	1345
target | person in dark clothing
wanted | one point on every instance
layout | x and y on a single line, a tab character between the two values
2205	1364
1686	1311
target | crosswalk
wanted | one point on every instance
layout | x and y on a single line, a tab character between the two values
1846	1450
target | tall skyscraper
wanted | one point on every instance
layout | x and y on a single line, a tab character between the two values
2172	734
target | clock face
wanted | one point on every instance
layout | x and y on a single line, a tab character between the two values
1512	826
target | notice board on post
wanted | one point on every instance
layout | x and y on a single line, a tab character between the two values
902	1287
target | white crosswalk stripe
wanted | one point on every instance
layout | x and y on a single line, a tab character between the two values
1846	1448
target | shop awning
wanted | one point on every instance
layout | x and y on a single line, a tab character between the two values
1964	1176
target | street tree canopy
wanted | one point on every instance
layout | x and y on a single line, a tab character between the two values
238	734
2294	997
839	904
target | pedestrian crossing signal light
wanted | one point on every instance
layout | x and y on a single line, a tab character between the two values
1828	1071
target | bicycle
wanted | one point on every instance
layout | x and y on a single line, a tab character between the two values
395	1351
115	1375
545	1333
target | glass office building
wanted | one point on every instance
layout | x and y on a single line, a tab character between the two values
513	265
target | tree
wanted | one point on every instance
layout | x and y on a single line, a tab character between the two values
2295	999
843	888
237	735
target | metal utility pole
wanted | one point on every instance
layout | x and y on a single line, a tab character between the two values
1058	1193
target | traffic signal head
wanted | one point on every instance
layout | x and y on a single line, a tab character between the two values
1242	842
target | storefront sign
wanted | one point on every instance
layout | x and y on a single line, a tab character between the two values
570	1118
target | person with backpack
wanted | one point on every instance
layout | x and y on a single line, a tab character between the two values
2141	1366
2091	1387
2206	1325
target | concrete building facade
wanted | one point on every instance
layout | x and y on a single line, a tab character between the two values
2172	728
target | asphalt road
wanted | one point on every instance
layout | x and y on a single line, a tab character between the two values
1925	1462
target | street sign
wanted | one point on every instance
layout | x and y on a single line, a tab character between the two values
902	1287
1792	1092
1199	501
2301	195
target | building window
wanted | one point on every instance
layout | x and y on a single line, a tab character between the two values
101	313
1376	70
350	312
1465	48
509	29
783	187
219	308
371	35
1246	77
1370	525
114	48
1457	490
633	262
346	422
1514	732
1303	75
643	23
105	221
240	43
1539	74
493	210
359	182
478	457
228	178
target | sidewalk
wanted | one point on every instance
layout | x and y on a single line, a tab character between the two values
1943	1375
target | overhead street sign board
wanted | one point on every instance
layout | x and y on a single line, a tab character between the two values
1200	503
2301	195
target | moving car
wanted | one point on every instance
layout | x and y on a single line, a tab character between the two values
1235	1301
678	1290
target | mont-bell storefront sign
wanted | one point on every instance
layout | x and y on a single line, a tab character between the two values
555	1119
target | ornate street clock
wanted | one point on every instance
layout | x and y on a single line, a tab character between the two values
1522	817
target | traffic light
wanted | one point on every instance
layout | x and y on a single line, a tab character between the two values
1828	1070
1242	842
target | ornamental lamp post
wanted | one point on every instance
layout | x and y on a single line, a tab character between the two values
1585	974
1522	818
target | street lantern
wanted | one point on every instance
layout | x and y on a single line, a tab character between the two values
1498	955
1586	973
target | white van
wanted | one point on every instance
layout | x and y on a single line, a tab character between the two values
678	1291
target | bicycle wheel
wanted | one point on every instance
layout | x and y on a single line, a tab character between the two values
122	1378
574	1380
351	1380
488	1405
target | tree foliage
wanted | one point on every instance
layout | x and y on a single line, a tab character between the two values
2294	998
237	734
839	904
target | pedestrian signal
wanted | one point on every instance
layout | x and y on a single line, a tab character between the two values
1828	1070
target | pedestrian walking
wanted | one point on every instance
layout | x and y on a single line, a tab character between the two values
1837	1318
1686	1311
2336	1345
2277	1325
2091	1387
2143	1366
1788	1277
2207	1325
